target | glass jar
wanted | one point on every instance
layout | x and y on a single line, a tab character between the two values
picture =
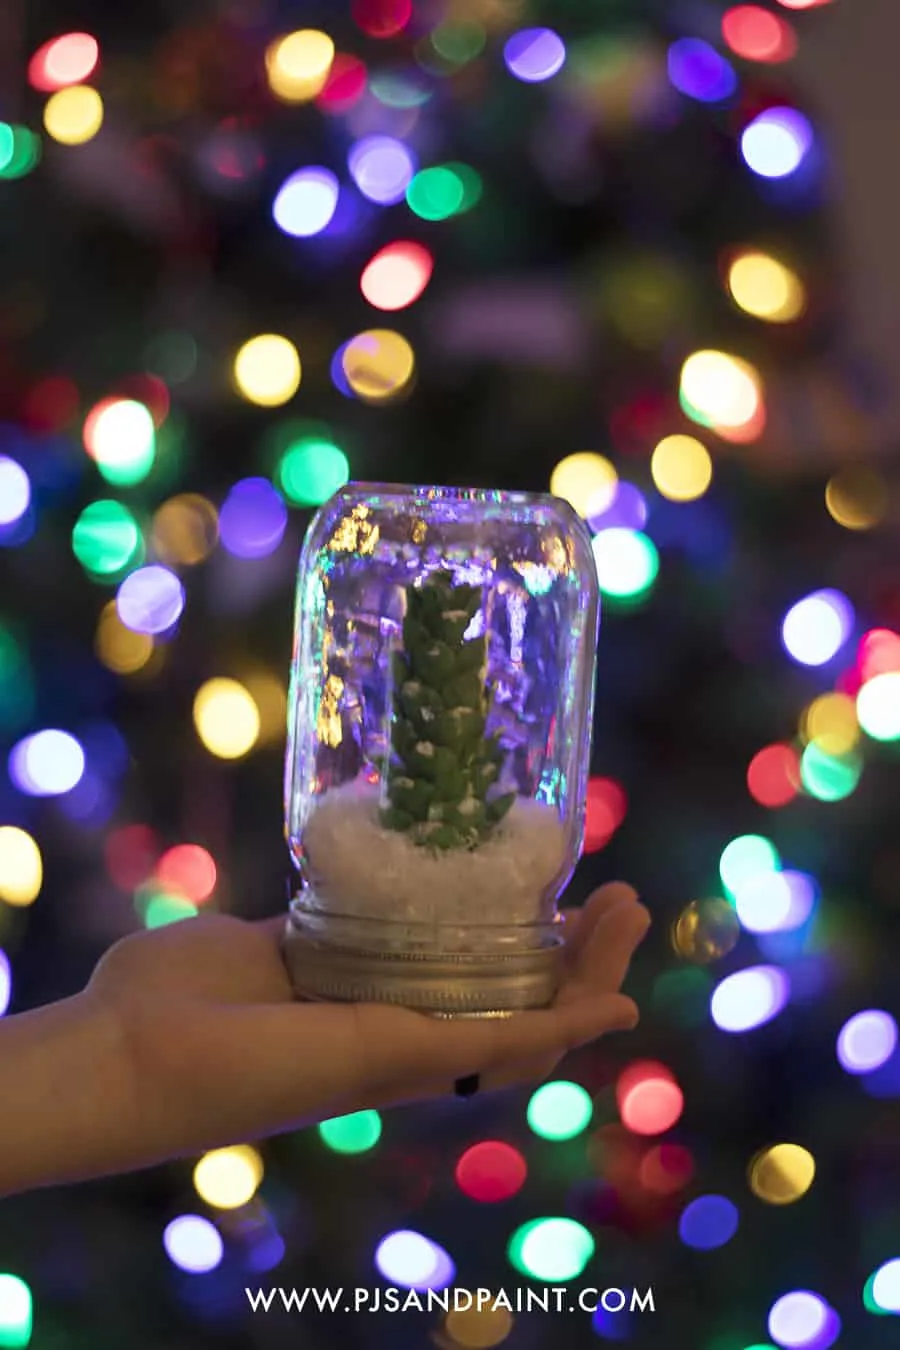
438	750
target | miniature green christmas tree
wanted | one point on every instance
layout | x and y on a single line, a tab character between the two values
444	769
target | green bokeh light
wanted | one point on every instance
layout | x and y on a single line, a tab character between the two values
868	1298
559	1110
17	700
124	443
355	1133
682	996
553	1250
172	356
829	778
157	908
20	151
15	1311
878	707
459	42
311	470
745	857
395	91
443	191
106	538
627	562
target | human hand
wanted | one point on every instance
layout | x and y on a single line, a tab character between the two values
217	1048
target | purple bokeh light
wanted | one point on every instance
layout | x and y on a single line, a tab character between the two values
306	202
697	70
534	54
749	998
412	1261
708	1222
150	600
47	763
253	519
866	1041
816	627
15	491
775	902
802	1320
624	509
193	1243
5	982
776	142
382	168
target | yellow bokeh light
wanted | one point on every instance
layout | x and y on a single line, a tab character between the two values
765	288
478	1328
267	370
378	364
270	696
856	498
831	722
228	1177
226	718
681	468
21	868
782	1174
299	64
586	481
185	529
724	390
705	931
74	115
119	648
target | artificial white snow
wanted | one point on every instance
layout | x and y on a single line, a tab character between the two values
357	867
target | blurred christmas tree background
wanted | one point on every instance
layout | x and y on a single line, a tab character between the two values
251	250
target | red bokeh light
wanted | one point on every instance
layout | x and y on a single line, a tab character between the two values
51	404
491	1171
879	653
666	1168
397	275
649	1099
130	853
773	775
758	35
605	811
63	61
188	869
382	18
149	390
345	85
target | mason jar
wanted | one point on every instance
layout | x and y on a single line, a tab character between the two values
439	734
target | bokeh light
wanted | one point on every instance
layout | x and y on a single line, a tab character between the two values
782	1174
885	1287
305	204
720	390
775	902
20	151
878	707
830	722
73	115
311	470
708	1222
69	59
120	649
159	908
227	1178
802	1320
410	1260
5	975
354	1133
757	34
627	562
226	718
382	18
267	370
534	54
16	1311
478	1328
648	1097
623	507
765	288
47	763
699	71
776	142
879	653
15	491
666	1168
706	930
829	778
559	1110
345	85
185	529
106	538
378	365
856	498
396	276
749	998
773	775
745	857
188	869
193	1244
120	436
866	1041
605	810
253	519
585	480
150	600
298	65
554	1250
491	1171
815	629
681	467
21	866
382	168
443	190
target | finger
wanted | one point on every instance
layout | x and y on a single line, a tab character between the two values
579	922
604	959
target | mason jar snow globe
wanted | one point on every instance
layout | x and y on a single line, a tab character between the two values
438	750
